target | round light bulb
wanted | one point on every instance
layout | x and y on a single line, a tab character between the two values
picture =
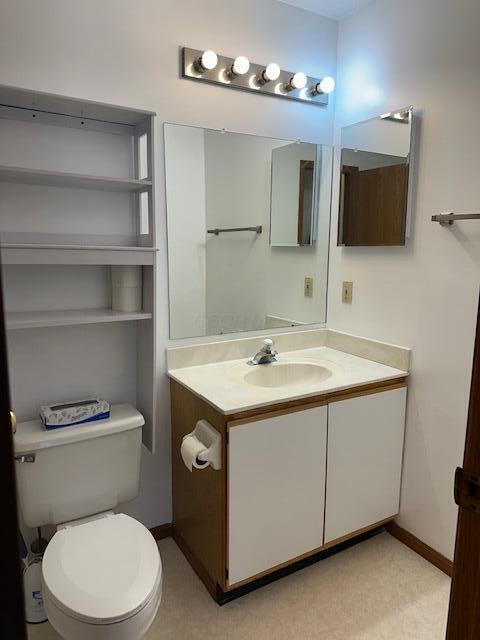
326	85
271	72
209	60
298	80
241	65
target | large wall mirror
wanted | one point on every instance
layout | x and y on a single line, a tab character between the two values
374	180
248	228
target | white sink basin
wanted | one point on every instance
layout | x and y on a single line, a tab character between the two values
286	374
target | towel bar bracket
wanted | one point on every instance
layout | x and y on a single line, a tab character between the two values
449	218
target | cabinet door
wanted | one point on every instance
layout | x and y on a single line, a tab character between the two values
276	491
364	460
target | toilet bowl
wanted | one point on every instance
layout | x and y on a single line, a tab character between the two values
102	579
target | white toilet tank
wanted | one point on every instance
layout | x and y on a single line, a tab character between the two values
77	471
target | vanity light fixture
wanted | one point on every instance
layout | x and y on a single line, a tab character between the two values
297	81
206	62
269	74
240	67
241	74
326	85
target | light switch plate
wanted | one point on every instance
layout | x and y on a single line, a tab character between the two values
308	287
347	292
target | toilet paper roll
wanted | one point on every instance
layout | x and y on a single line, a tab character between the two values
128	275
191	447
126	288
127	299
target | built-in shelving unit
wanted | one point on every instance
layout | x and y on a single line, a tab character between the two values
63	318
76	197
75	254
21	175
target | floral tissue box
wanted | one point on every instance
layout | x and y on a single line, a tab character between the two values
67	414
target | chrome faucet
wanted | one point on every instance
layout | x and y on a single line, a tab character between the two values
266	354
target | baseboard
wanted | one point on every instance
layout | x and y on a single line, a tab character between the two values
162	531
414	543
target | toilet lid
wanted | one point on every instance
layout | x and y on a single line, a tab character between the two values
102	571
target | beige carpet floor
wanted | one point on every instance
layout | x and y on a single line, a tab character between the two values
377	590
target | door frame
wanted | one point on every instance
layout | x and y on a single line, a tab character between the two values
464	611
12	612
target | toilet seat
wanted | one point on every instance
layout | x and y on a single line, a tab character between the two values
103	571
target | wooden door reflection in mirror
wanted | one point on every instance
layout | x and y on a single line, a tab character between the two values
305	201
373	201
376	163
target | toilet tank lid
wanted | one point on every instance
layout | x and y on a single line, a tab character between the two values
32	436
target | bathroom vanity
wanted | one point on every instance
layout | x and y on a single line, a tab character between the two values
311	445
311	452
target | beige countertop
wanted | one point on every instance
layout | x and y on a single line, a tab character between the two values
225	384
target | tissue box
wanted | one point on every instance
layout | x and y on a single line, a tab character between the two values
68	414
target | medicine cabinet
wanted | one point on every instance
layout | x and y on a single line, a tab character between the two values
375	180
295	174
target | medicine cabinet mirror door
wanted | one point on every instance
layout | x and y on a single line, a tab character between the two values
292	215
248	228
374	180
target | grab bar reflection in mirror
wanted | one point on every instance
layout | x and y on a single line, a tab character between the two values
257	229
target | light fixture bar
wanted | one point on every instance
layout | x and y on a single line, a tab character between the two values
222	75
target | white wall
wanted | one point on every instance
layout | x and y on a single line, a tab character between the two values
378	135
365	160
423	295
127	53
185	199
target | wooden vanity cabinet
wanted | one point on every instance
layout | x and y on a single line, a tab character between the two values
296	479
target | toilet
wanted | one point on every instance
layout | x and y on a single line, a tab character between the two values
101	572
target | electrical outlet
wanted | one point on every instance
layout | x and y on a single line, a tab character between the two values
308	287
347	292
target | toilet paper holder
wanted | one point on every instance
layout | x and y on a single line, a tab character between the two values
212	440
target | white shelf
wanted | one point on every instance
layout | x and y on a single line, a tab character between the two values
72	180
53	103
35	319
75	254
